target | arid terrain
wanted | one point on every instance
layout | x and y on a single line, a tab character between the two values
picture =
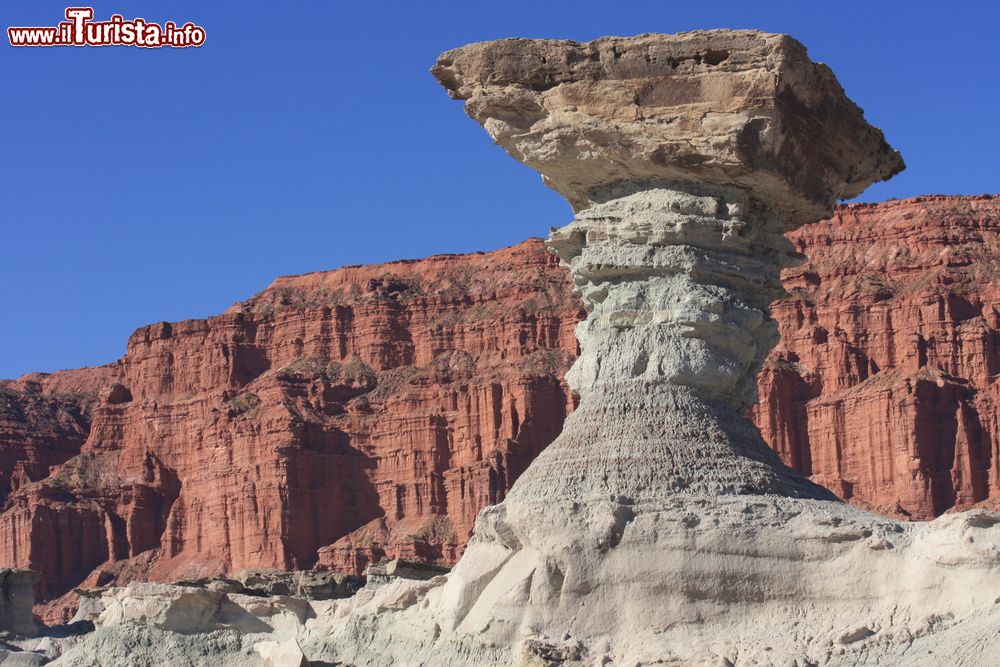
627	444
414	393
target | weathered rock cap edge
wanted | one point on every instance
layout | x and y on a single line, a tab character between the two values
808	105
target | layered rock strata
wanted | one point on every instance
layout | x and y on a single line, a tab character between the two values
658	528
44	421
884	387
333	420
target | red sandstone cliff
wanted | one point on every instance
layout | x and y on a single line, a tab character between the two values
343	416
44	421
333	419
884	386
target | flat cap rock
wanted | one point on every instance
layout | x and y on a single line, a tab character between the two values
732	107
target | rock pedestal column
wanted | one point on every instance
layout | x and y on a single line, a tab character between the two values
686	158
677	278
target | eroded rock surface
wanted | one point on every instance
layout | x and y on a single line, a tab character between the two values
44	421
884	385
658	528
732	108
164	624
335	419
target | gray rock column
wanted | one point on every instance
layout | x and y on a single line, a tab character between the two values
685	157
678	278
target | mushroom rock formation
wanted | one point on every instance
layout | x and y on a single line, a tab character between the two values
686	158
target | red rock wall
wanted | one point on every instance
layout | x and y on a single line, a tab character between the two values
44	421
408	394
341	417
884	386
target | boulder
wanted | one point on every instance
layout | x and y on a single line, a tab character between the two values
17	597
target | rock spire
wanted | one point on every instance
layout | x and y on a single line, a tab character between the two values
686	157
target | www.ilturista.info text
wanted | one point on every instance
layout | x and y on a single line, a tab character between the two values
80	30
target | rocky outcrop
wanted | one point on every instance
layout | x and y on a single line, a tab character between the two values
191	625
307	584
658	527
403	396
17	599
44	421
884	385
710	107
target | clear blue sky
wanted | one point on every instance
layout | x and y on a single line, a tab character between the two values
146	185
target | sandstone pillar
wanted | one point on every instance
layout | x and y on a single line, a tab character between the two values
686	158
